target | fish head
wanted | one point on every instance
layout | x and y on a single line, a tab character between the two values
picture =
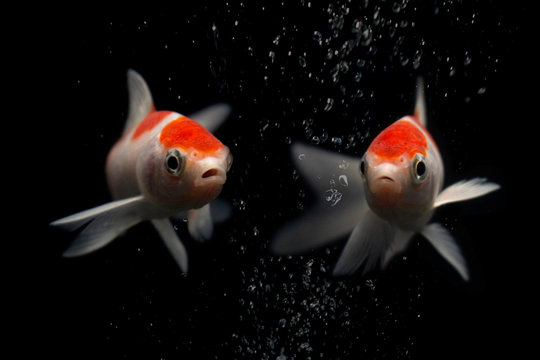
400	171
187	167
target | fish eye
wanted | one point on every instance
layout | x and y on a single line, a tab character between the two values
419	168
175	162
229	161
363	167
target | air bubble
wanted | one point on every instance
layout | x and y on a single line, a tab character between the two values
468	59
272	56
302	61
332	196
329	104
416	59
336	140
317	37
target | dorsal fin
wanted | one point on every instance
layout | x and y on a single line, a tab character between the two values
140	99
420	106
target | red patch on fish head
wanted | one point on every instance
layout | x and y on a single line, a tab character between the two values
185	133
149	122
400	138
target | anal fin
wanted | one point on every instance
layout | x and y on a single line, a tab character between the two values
445	244
172	242
200	223
366	246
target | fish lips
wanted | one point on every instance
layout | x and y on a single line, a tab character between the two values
384	191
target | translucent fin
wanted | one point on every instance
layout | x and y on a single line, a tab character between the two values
77	220
220	210
397	246
366	246
106	223
443	242
172	242
465	190
200	223
140	100
339	190
212	117
420	106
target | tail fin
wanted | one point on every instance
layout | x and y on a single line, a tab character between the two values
420	106
106	222
140	100
212	116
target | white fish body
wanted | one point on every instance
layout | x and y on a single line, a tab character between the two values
390	195
165	164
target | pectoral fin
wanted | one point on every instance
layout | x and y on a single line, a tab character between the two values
366	246
465	190
106	222
445	244
339	191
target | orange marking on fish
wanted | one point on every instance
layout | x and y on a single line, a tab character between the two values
149	122
186	133
399	138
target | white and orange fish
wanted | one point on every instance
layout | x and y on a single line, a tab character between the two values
381	199
164	165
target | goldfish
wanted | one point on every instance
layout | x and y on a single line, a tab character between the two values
380	200
164	165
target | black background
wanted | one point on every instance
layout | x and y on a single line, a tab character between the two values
333	74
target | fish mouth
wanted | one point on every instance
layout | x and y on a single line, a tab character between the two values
210	173
385	179
385	188
215	175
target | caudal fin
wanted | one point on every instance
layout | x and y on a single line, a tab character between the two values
140	100
105	223
212	116
420	106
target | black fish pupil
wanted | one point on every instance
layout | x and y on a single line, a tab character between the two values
172	163
420	168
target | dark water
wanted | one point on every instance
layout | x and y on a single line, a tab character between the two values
331	74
